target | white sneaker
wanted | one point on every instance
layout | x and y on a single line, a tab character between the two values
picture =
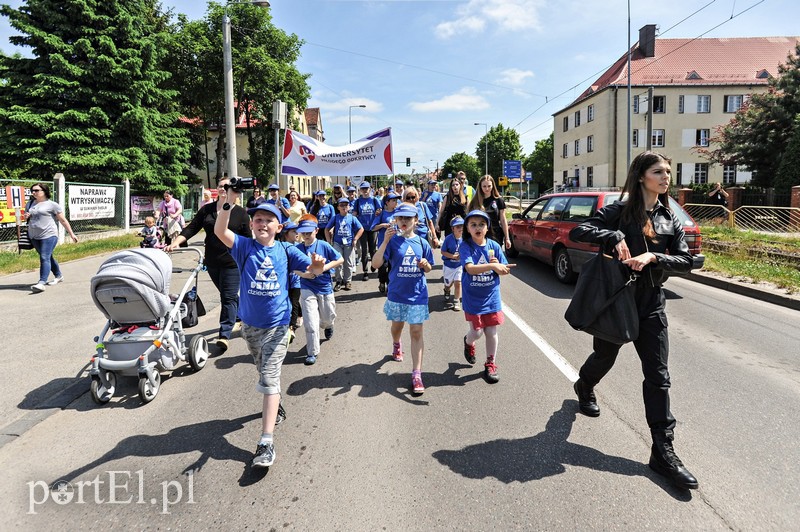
55	281
38	287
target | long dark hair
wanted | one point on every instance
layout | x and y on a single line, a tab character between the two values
634	210
477	199
450	198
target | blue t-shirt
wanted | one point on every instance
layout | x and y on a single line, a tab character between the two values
321	285
344	228
264	296
386	217
324	215
480	294
365	209
407	282
450	245
434	202
423	215
284	204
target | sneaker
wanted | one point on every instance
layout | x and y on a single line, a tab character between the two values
469	351
38	287
281	417
329	333
447	293
348	285
490	373
310	360
372	269
337	286
365	277
397	353
56	281
222	343
237	326
382	288
264	455
457	305
417	388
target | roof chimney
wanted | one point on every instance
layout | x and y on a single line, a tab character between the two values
647	40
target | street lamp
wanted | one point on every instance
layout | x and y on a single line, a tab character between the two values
437	167
227	69
485	147
350	119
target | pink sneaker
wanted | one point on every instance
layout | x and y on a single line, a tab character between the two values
417	388
397	352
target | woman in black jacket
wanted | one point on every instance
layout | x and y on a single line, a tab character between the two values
648	237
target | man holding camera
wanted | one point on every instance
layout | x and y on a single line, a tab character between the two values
220	264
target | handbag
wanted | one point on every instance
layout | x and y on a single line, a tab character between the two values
603	303
23	240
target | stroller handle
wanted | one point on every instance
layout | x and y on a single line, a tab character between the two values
188	250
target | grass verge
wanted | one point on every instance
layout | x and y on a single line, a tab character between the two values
12	262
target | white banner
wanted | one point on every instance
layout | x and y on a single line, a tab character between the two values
303	155
89	202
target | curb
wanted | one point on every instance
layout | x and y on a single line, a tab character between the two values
774	297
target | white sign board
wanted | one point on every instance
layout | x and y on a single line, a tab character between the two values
89	202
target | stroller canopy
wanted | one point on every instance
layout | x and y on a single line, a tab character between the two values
132	286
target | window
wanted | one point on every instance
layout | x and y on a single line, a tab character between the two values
729	174
700	173
701	138
657	141
580	208
577	147
590	113
659	104
636	104
733	103
704	104
680	103
679	174
577	118
566	124
635	138
590	143
554	208
564	151
590	176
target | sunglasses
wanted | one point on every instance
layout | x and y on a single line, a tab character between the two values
409	198
36	190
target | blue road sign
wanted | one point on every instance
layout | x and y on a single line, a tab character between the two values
528	176
512	169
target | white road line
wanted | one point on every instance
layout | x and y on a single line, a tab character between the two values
555	357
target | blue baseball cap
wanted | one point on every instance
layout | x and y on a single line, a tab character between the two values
306	226
289	226
351	189
364	184
273	187
343	200
391	196
457	220
432	182
482	214
269	207
405	210
398	182
321	192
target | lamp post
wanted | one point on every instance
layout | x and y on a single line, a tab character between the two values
485	147
227	68
350	119
437	168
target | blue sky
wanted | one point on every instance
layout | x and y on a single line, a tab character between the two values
430	69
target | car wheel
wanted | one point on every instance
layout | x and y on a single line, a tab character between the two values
563	267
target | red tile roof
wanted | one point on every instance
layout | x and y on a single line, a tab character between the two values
717	61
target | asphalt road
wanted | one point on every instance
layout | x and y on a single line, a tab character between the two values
359	452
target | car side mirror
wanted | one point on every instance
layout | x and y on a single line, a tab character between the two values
516	216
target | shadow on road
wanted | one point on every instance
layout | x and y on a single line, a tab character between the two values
543	455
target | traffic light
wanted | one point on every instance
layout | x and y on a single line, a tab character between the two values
408	161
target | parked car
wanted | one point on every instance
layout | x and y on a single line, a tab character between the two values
542	230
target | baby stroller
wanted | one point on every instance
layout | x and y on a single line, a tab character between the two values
144	331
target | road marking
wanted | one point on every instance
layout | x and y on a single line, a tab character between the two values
549	351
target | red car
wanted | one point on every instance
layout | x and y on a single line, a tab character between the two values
542	230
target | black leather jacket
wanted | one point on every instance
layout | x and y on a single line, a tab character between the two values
672	253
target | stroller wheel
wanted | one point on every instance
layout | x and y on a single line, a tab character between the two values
147	391
198	352
100	393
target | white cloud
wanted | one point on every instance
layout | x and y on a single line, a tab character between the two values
464	100
514	76
507	15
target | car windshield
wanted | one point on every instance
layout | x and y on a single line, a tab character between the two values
683	216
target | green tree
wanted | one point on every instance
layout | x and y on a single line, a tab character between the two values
462	162
759	133
540	163
503	144
789	171
91	101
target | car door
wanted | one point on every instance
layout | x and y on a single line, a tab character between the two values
545	230
522	228
579	209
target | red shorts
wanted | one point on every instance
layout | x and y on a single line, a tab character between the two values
479	321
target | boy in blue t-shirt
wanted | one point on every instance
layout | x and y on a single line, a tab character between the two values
264	305
343	231
367	209
407	298
324	212
316	292
433	200
451	261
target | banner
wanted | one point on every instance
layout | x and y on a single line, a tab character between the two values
142	207
88	202
371	155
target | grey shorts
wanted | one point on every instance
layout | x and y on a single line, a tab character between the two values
268	347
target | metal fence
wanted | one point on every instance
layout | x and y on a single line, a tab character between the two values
85	212
755	218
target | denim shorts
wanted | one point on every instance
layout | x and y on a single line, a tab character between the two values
268	347
404	312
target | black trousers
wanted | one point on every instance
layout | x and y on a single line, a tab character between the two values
297	311
367	244
652	346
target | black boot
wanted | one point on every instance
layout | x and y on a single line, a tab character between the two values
586	398
664	461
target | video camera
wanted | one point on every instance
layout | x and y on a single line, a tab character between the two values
239	184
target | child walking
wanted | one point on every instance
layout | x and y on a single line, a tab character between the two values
343	231
484	262
451	261
407	297
289	235
264	303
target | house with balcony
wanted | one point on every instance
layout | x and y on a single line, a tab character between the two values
681	90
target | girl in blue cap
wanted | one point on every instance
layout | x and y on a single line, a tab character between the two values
407	298
451	263
381	224
484	262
